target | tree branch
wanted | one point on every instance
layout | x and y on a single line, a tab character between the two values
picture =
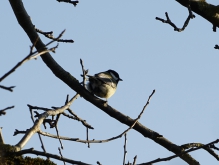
186	146
2	112
32	151
206	10
69	1
168	21
36	127
50	36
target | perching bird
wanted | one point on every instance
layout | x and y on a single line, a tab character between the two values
103	84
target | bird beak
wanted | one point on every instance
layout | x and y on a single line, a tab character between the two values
120	79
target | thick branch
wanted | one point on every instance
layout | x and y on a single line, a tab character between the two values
204	9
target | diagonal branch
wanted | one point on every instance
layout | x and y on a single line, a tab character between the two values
206	10
41	140
2	112
30	56
197	145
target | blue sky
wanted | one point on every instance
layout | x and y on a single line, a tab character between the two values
148	54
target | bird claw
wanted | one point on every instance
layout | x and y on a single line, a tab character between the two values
105	102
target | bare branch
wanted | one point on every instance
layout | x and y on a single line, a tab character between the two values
125	152
30	56
1	137
36	127
60	152
75	117
7	88
27	58
134	161
41	108
58	136
50	36
213	147
79	119
2	112
206	147
211	152
203	8
16	132
41	140
57	157
87	133
69	1
198	146
85	72
99	163
168	21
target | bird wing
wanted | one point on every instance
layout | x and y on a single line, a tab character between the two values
101	78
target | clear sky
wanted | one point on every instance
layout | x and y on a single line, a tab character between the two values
124	36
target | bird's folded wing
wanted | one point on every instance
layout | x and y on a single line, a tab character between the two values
102	80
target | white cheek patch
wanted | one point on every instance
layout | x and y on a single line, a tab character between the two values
116	78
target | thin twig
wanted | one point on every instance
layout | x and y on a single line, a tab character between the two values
58	137
66	100
69	1
214	147
180	154
75	116
31	55
60	152
59	36
139	116
87	135
208	148
99	163
57	157
125	152
135	159
2	112
79	119
16	132
168	21
7	88
39	108
1	137
50	36
84	72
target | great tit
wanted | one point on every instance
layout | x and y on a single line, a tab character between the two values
103	84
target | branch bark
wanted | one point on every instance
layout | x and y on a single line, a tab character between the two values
206	10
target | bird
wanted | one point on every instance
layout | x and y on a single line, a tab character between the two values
103	84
